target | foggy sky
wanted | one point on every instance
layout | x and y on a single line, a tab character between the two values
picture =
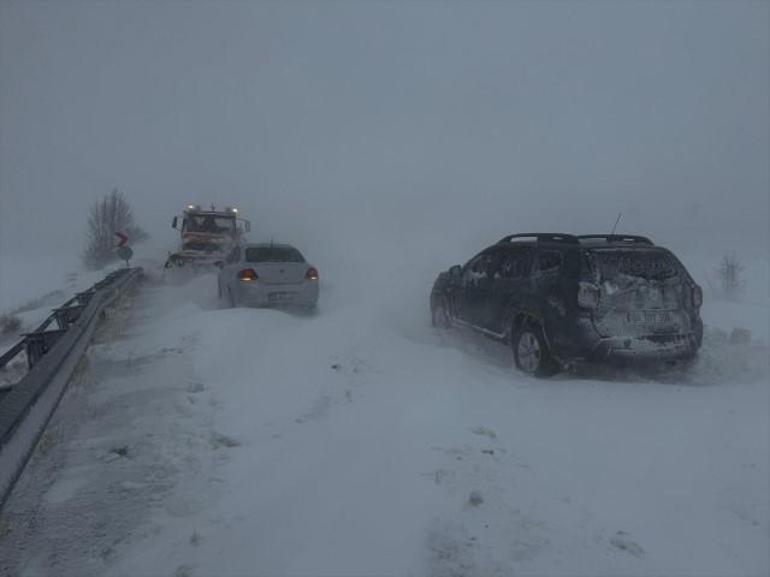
337	124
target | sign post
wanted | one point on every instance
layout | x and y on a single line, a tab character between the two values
124	251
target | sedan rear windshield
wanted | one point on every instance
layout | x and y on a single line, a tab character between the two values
273	254
645	264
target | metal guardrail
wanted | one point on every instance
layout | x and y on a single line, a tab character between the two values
53	350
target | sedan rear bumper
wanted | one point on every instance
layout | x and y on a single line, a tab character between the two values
259	294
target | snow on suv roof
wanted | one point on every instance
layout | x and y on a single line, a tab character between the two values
571	239
614	239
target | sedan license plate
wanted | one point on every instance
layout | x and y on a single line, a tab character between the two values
281	296
649	317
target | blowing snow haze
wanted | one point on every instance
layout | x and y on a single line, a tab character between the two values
360	125
423	419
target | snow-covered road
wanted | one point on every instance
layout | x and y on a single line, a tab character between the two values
202	442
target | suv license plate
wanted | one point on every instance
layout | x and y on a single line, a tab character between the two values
649	317
280	296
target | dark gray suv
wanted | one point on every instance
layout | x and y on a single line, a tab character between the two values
559	298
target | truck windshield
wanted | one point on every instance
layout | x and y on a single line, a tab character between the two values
210	224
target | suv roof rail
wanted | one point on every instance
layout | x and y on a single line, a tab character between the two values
625	238
542	237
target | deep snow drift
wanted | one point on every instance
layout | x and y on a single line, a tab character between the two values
359	441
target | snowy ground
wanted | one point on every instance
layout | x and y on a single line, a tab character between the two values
200	442
30	288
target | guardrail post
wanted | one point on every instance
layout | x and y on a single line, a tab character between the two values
85	297
65	316
39	344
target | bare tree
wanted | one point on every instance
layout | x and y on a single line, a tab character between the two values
107	216
730	275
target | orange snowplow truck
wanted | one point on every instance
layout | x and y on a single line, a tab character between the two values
207	235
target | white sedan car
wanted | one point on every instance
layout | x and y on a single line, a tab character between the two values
266	275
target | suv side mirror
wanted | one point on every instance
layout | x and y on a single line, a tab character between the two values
173	222
455	270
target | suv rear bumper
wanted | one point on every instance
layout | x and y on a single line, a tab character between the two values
653	347
593	346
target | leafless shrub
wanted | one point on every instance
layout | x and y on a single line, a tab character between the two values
740	336
729	274
109	215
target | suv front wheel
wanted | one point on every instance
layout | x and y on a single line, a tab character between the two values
531	352
440	315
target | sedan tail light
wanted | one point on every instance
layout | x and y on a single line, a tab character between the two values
697	296
311	274
247	275
588	295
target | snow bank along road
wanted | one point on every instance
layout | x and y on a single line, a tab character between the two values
198	442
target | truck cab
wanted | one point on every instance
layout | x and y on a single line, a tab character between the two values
206	235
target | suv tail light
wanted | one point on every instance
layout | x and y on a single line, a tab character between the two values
697	296
247	274
311	274
588	295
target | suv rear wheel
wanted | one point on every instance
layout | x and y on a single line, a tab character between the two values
531	352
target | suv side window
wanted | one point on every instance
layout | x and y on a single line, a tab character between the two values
481	267
516	264
549	262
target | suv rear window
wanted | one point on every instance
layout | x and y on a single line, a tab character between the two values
273	254
645	264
